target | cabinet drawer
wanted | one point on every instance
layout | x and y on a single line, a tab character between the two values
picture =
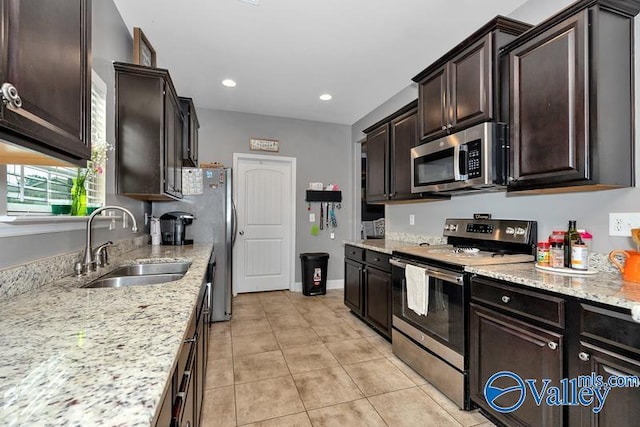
354	253
533	305
610	326
378	259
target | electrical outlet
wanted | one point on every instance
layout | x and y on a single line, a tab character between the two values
620	224
312	217
332	235
412	219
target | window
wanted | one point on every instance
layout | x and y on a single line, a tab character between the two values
33	189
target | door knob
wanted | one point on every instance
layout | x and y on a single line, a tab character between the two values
241	232
10	97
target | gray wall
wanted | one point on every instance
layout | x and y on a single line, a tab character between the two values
322	152
551	211
111	42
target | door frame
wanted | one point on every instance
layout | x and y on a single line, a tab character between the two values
292	227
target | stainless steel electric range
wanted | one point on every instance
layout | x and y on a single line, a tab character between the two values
436	344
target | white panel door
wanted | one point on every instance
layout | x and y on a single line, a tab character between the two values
263	250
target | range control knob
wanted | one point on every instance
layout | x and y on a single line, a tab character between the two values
510	231
520	231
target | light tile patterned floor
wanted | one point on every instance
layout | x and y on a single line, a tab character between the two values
290	360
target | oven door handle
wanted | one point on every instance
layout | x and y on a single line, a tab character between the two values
439	274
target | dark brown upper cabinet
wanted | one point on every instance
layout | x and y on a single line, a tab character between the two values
149	134
45	74
190	133
569	99
389	144
460	89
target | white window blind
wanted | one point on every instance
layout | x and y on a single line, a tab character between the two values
33	189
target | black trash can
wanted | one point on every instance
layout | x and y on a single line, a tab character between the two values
314	273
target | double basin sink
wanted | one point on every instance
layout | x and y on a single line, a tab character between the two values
141	274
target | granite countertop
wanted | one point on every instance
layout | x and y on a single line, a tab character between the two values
603	287
78	356
380	245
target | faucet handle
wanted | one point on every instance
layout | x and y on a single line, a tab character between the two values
101	255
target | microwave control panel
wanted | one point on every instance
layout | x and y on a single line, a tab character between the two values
474	164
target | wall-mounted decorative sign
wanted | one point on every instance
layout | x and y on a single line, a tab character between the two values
143	52
264	144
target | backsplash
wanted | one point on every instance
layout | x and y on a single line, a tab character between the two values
30	276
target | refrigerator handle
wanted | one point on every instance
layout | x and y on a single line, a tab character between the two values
234	223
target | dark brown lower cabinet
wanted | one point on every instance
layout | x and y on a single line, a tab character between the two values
353	280
503	343
621	407
377	307
367	287
182	402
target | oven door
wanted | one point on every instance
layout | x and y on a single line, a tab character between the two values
444	324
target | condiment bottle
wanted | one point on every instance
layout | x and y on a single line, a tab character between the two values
543	253
556	249
569	238
579	255
586	237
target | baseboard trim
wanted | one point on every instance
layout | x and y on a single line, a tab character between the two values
331	284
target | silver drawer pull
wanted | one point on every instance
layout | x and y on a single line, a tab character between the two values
583	356
505	299
609	370
190	340
553	345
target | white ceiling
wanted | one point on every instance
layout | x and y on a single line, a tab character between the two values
285	53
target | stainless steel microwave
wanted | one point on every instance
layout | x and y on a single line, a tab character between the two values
467	161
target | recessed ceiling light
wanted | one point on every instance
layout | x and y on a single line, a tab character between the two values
229	83
325	97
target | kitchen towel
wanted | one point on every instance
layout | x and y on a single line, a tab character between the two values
417	289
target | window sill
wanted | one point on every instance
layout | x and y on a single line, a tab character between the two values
24	225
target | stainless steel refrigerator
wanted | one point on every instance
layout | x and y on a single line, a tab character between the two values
215	222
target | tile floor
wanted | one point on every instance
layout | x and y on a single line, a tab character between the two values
290	360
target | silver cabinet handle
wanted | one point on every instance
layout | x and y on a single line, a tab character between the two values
609	370
505	299
444	127
583	356
10	97
553	345
190	340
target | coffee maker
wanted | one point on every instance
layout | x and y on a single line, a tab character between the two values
173	226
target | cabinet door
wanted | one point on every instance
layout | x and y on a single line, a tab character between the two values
404	136
378	164
432	104
621	408
377	306
548	100
190	133
502	343
173	146
353	286
470	84
45	54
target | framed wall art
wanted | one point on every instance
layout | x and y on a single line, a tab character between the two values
143	52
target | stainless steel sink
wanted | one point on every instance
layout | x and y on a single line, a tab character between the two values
120	281
147	269
141	274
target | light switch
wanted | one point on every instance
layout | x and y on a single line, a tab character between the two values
312	217
412	219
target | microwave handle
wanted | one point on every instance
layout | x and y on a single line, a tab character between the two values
460	162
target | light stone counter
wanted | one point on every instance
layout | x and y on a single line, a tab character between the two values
77	356
379	245
604	287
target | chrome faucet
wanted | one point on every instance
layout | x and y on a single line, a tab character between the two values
89	258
